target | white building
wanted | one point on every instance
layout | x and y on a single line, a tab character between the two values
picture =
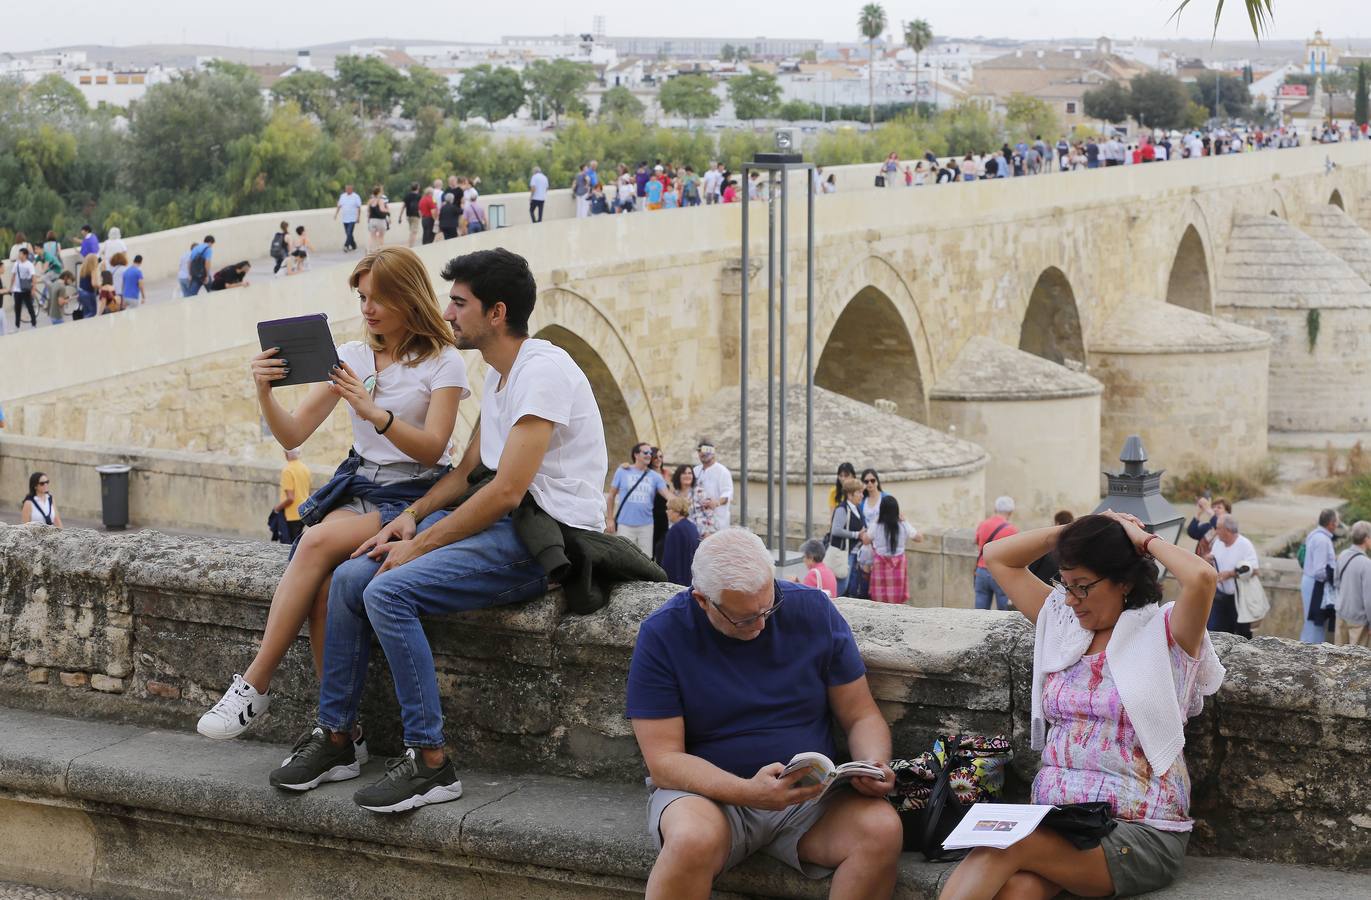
115	86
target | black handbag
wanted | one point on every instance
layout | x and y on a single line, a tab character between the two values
1083	824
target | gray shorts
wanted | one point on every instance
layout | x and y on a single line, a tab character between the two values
385	473
1142	858
775	833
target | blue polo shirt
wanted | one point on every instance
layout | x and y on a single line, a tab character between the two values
132	275
746	704
636	502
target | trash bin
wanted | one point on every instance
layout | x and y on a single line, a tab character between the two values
114	495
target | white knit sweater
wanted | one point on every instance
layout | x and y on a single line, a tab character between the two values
1139	660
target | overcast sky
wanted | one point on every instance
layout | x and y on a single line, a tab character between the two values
292	23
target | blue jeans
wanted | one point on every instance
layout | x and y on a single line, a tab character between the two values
491	568
349	242
985	589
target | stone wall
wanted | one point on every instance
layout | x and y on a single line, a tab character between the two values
148	628
167	488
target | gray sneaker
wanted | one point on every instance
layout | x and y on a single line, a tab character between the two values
316	759
409	784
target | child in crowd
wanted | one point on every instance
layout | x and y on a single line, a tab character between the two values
888	581
682	539
108	299
817	575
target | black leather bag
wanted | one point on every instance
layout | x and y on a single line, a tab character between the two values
1083	824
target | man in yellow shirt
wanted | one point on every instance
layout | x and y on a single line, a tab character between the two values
294	490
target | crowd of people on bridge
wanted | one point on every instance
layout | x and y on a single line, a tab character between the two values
102	278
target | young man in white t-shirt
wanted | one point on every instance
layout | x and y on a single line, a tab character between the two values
540	431
716	481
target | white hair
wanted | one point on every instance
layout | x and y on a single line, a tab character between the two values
1004	505
1230	522
734	559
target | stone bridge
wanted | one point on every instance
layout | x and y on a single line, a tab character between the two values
1197	303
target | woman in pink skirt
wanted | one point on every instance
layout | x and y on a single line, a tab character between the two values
888	581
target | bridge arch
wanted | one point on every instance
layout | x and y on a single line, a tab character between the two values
573	323
1335	199
873	345
1052	323
1190	284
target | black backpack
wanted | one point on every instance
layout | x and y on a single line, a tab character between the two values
278	245
198	271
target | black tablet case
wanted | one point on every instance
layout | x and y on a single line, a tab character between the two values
305	343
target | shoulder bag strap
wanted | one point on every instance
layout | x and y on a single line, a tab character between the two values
620	511
981	555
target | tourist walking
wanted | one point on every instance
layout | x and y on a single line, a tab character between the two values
295	485
1115	676
1232	555
993	528
685	486
846	531
60	297
682	540
21	288
449	217
280	248
402	384
1317	578
409	212
537	195
300	249
39	507
87	286
428	210
580	190
1352	577
199	265
889	582
378	220
638	483
131	283
349	210
716	481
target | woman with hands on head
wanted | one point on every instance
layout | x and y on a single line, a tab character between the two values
1115	676
401	386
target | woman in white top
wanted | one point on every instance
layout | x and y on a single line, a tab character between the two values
39	508
114	243
402	385
888	581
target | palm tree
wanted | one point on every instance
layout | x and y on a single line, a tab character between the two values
1258	13
917	36
871	23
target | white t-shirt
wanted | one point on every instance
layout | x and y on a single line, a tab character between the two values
717	482
1226	558
537	187
350	206
405	391
544	382
882	546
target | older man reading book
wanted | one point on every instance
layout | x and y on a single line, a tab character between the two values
730	679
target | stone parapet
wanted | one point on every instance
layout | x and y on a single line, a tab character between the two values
531	689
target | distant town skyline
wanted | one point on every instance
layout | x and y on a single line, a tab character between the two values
270	24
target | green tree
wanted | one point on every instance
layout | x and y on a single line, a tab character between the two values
314	92
794	110
180	131
492	94
288	165
370	83
558	84
618	103
727	53
53	97
871	24
425	87
691	96
917	36
1028	117
1360	109
1235	100
754	95
1159	100
1110	102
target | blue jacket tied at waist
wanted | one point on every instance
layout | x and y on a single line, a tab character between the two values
346	484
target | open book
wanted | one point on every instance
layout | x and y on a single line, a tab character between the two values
823	771
998	825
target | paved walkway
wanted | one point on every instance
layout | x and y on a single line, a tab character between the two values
12	891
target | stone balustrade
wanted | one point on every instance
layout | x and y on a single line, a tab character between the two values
148	628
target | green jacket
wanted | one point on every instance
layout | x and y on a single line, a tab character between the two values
587	564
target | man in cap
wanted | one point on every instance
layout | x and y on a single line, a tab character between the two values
716	481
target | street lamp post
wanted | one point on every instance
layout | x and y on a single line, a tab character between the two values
1138	492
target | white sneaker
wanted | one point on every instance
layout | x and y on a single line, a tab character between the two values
235	712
